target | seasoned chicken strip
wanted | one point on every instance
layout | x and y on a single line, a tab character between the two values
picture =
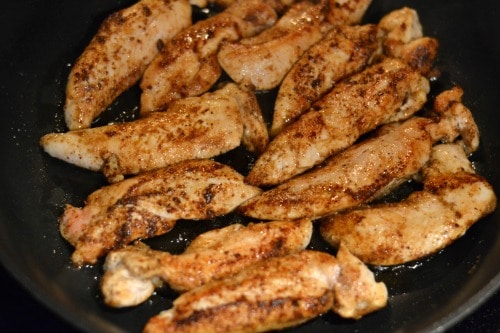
264	60
205	3
382	93
347	12
402	37
132	273
356	291
276	293
356	175
370	168
149	205
346	50
401	25
342	52
187	65
453	199
454	118
255	135
117	56
420	54
195	127
280	5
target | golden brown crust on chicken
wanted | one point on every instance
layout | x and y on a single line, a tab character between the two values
357	175
348	12
419	54
453	199
455	119
343	51
382	93
356	292
274	294
255	135
371	168
187	65
149	205
401	25
132	273
402	37
196	127
117	56
263	60
205	3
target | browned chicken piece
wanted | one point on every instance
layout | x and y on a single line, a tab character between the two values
280	5
342	52
265	59
255	136
454	118
205	3
276	293
347	12
149	204
369	169
187	64
117	56
358	174
346	50
454	197
385	92
401	25
132	273
356	292
402	37
420	54
262	61
195	127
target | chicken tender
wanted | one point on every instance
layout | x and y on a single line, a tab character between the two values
255	135
188	66
371	168
192	128
454	197
264	60
402	37
276	293
401	25
118	55
341	53
132	273
385	92
454	119
356	175
149	204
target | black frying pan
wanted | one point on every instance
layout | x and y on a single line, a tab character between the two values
41	38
